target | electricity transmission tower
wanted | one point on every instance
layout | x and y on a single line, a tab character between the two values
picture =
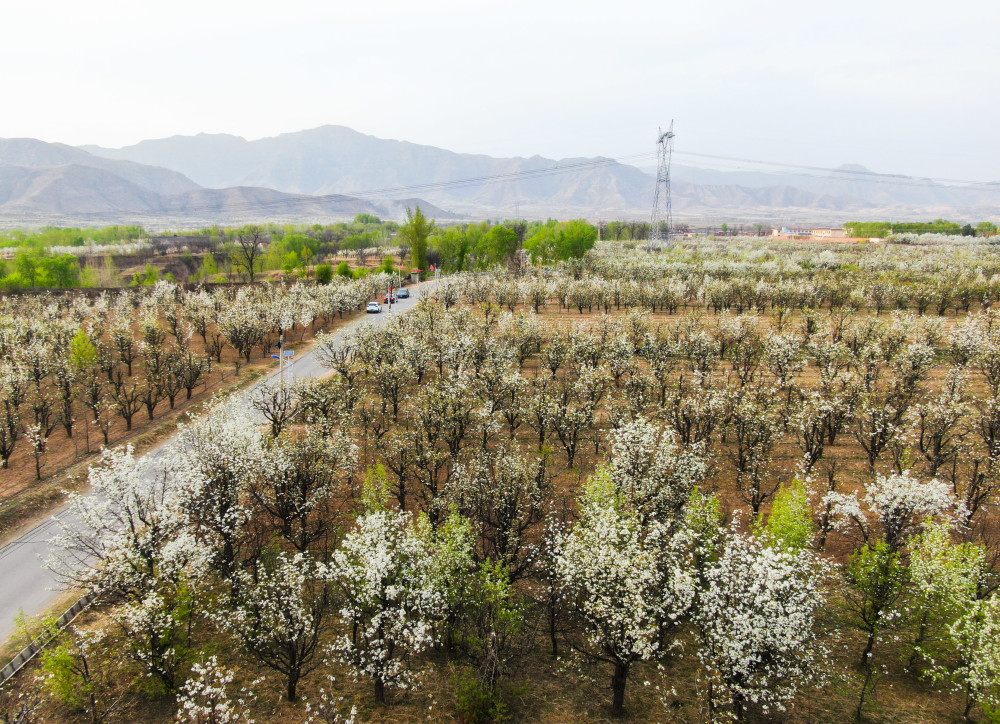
661	215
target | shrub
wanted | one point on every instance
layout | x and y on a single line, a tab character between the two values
324	273
476	704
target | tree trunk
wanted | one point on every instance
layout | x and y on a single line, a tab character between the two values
869	647
618	681
859	712
739	707
379	691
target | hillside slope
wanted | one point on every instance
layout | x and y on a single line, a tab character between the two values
32	153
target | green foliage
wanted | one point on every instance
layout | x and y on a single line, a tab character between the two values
89	277
367	219
147	278
63	677
947	579
79	671
600	491
577	238
477	703
790	524
490	630
38	268
497	246
72	236
289	252
209	268
344	270
82	352
876	580
882	229
375	490
290	262
454	245
877	573
415	232
14	281
324	273
555	241
704	520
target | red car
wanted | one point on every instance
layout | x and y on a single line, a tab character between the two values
389	299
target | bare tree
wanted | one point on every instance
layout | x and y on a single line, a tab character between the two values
249	247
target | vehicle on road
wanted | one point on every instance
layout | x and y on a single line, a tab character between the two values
373	308
402	293
389	299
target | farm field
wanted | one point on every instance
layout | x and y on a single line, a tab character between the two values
740	479
91	371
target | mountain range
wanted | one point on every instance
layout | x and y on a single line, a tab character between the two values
334	172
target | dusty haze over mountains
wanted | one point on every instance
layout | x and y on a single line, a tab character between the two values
335	172
506	89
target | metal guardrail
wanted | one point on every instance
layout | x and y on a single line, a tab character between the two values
32	649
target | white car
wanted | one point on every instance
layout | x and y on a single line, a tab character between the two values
373	308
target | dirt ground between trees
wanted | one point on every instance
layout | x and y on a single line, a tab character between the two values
24	500
556	690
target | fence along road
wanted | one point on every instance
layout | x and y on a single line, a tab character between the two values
26	585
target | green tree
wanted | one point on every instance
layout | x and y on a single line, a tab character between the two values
60	271
877	578
947	579
453	246
324	273
497	246
27	264
986	228
569	240
790	524
344	270
415	232
575	239
208	267
542	244
82	352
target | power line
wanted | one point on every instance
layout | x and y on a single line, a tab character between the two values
873	175
833	174
369	194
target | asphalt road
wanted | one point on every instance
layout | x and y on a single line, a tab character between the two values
26	585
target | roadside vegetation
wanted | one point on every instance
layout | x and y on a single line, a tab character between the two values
121	256
81	372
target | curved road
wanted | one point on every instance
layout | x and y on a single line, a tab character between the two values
26	585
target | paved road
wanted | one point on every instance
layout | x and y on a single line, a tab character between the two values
25	584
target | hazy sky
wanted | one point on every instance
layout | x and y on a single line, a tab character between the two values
901	87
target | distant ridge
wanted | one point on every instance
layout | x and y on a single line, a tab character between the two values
334	172
51	183
336	159
32	153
